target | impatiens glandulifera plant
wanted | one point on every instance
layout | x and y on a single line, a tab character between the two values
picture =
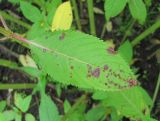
70	57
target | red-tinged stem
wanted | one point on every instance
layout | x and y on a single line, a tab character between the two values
12	35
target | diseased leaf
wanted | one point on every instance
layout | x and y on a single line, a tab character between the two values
31	12
126	51
63	17
73	58
138	10
48	110
113	7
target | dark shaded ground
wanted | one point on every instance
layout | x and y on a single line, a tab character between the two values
148	68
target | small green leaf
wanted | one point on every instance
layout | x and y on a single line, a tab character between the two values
22	102
29	117
51	9
2	117
2	105
9	115
77	111
67	106
113	7
31	12
126	51
48	110
138	10
18	117
96	113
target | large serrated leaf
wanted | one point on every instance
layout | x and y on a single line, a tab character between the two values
75	58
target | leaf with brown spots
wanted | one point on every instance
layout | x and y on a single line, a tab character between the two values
80	62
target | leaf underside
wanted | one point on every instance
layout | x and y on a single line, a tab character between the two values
75	58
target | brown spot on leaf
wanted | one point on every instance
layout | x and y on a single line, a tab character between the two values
44	50
96	72
71	75
71	67
132	82
111	50
105	68
106	76
61	37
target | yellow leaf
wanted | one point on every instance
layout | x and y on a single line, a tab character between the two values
63	17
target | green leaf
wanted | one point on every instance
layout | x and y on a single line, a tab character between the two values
22	102
77	111
9	115
138	10
31	71
2	118
71	57
31	12
126	51
14	1
113	7
130	103
29	117
48	110
51	8
2	105
96	113
115	116
18	117
67	106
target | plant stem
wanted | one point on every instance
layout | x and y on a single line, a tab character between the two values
91	17
131	24
81	7
156	92
9	64
12	35
75	10
8	51
13	19
20	38
103	31
150	30
17	86
80	101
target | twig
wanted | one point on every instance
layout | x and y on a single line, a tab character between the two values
128	30
3	39
156	92
8	51
4	23
13	19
